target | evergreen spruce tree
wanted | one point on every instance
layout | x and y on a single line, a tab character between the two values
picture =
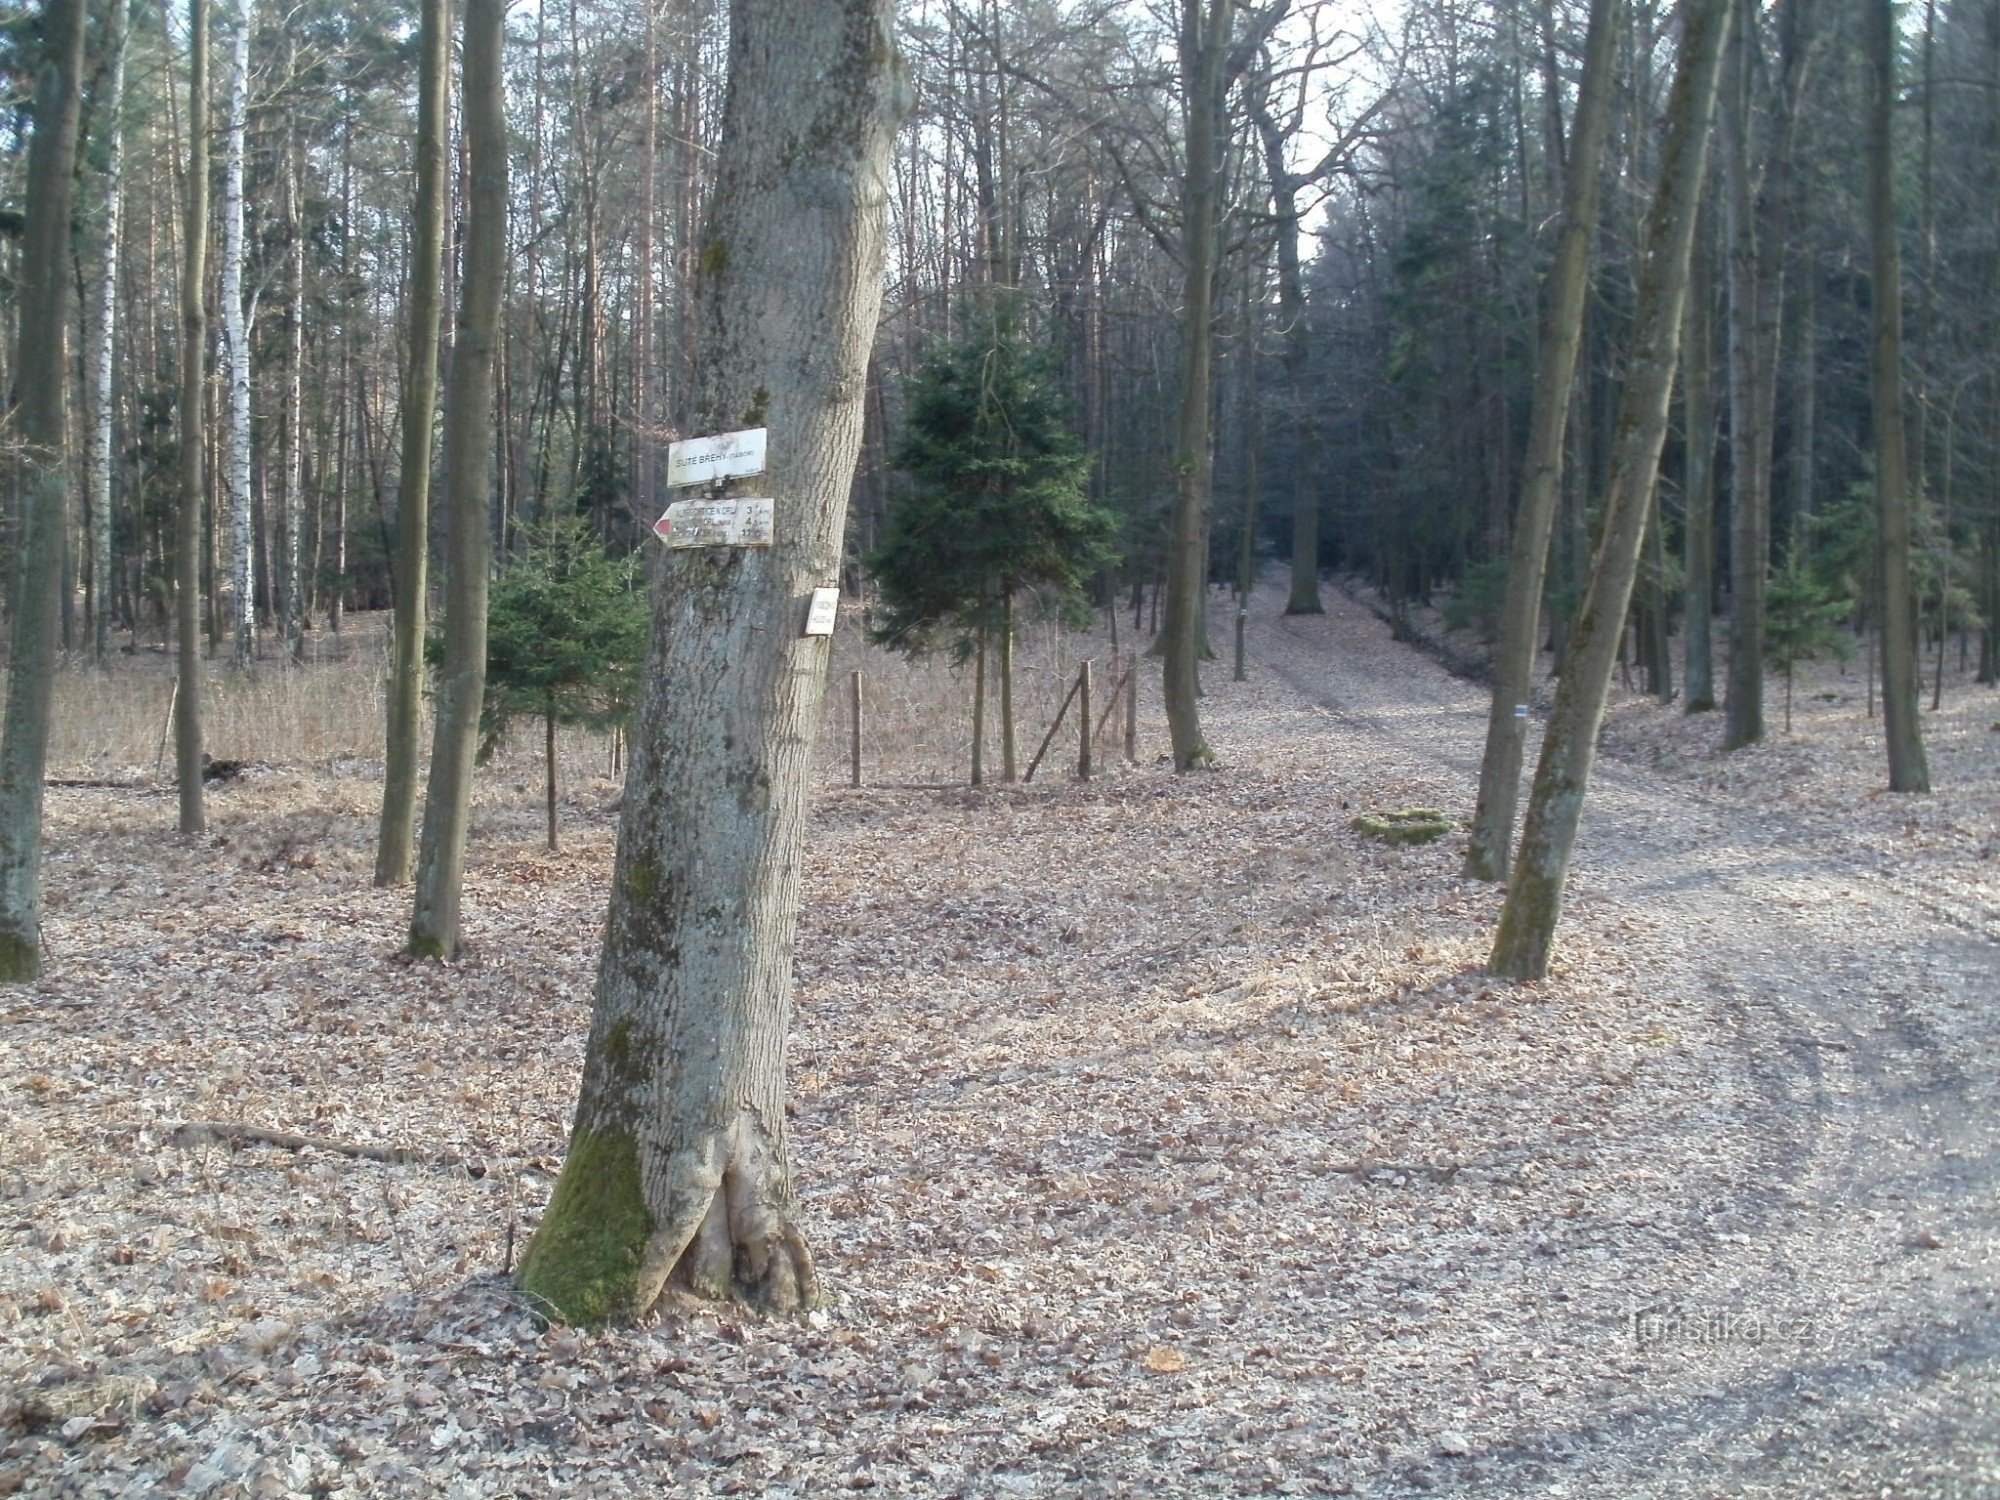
565	638
1000	505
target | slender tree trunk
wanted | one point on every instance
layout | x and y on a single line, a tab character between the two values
292	611
41	368
1204	40
236	344
678	1164
1908	770
419	414
110	109
193	432
1295	344
1486	855
1758	221
1698	396
434	924
1534	895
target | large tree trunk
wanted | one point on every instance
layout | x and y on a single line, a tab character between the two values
236	344
1486	854
104	330
193	433
468	443
1204	39
43	465
413	500
1908	771
1534	896
678	1162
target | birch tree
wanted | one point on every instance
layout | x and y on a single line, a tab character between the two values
236	343
468	456
40	366
678	1165
103	326
1534	895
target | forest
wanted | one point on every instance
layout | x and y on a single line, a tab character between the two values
1000	747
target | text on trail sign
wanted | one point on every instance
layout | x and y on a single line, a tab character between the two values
716	523
823	611
724	455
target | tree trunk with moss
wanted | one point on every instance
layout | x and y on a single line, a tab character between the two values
468	445
43	467
678	1171
1534	896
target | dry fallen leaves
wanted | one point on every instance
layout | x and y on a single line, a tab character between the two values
1148	1065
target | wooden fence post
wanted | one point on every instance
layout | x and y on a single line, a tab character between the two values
854	728
1049	738
1132	711
1084	722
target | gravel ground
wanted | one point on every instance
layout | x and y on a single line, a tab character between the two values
1156	1136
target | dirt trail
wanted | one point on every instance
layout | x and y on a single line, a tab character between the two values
1859	1006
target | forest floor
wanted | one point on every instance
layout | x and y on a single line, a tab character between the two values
1156	1135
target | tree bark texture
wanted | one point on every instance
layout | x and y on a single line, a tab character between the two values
193	433
419	414
1908	769
678	1165
1487	852
1534	895
434	924
43	466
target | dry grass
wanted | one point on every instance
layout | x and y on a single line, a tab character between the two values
328	714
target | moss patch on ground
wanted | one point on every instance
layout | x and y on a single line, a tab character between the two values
1403	825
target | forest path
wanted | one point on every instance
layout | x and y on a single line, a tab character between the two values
1848	1001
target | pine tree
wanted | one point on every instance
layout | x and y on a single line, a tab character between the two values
1801	616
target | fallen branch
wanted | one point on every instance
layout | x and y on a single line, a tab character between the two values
235	1136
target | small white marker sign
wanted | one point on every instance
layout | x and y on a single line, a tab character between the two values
717	523
1520	710
725	455
823	611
